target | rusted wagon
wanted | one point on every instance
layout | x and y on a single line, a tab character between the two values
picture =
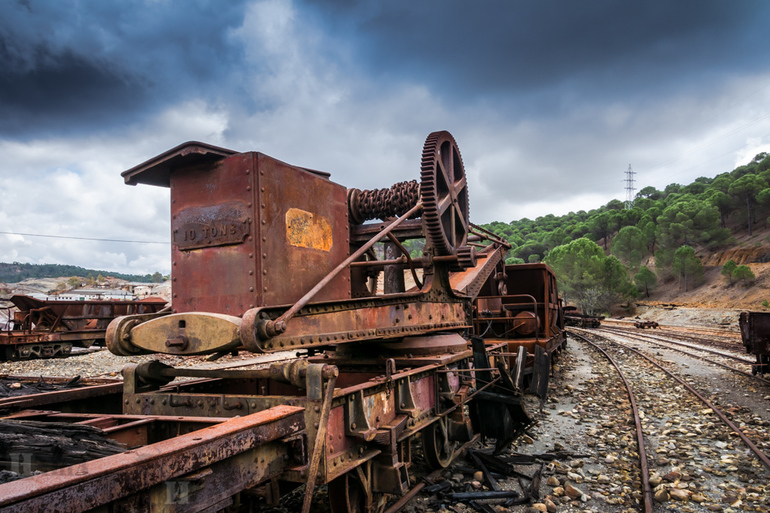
519	306
273	258
51	328
755	332
574	318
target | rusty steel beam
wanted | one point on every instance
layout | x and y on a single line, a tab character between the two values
60	396
167	473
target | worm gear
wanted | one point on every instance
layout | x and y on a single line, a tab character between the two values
444	191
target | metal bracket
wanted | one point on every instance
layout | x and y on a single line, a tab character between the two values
356	422
404	399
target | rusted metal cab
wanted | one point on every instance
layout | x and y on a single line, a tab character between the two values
755	332
247	230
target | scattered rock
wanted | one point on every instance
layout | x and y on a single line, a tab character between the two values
572	492
678	494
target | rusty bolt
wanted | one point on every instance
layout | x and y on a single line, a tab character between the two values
317	409
353	426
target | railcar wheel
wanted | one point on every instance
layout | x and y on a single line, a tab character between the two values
351	492
444	190
437	448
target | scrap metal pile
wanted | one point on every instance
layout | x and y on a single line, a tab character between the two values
268	257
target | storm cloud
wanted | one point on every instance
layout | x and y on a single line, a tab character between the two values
550	101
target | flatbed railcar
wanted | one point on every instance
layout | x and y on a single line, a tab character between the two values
273	258
44	328
574	318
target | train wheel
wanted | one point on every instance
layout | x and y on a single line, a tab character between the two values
352	492
437	447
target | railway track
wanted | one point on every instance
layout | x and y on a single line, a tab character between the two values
695	452
708	354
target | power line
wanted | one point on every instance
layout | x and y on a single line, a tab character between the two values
84	238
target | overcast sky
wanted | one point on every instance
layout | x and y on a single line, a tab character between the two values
549	101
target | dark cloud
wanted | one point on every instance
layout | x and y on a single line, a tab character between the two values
78	66
472	50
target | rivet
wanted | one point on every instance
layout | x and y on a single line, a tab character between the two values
265	289
253	405
174	295
264	239
251	271
262	189
264	222
248	187
163	402
264	255
248	204
152	401
262	173
264	271
173	279
251	255
251	306
353	426
248	171
174	263
251	289
126	401
315	425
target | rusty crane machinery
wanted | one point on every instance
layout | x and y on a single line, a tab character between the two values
273	258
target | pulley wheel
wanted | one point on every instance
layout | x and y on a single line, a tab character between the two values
437	447
444	191
351	493
526	323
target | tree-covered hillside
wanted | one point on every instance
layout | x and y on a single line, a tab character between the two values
672	225
16	272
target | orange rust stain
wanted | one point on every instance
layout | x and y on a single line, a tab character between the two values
308	230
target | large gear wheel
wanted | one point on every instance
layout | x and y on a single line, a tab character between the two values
444	191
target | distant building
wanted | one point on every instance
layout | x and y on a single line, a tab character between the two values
95	294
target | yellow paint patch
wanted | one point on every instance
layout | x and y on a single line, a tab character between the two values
308	230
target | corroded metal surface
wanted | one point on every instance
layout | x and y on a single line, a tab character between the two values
240	442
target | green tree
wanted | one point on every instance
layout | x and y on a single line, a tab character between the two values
586	275
690	221
645	280
723	202
728	269
74	282
602	226
100	278
744	273
745	189
687	265
157	277
629	245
